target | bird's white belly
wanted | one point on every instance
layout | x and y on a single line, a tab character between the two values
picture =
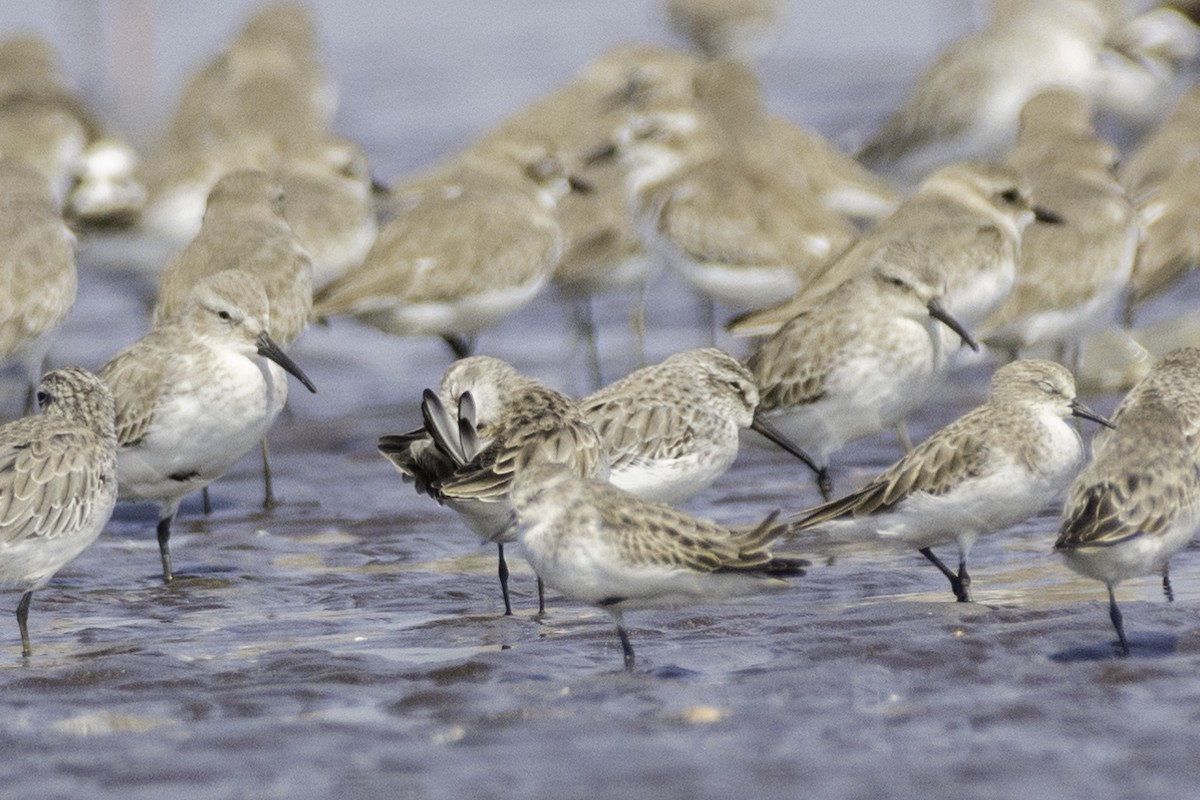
205	425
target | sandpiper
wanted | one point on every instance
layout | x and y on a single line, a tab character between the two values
968	215
38	279
671	429
604	546
58	482
965	104
423	277
864	358
1136	504
485	425
986	471
196	393
1072	274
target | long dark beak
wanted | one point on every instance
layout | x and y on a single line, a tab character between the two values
601	154
1046	215
268	349
766	429
1078	409
943	316
379	188
580	185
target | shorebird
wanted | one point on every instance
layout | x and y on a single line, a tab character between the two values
245	227
1136	504
38	279
608	548
965	104
860	361
1071	275
90	170
602	251
485	425
265	100
986	471
968	215
738	232
195	393
1164	150
424	277
1170	219
58	482
671	429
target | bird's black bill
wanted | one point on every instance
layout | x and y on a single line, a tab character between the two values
1078	409
943	316
580	185
268	349
1046	215
601	154
766	429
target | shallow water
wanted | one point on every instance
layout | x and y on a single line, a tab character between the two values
349	643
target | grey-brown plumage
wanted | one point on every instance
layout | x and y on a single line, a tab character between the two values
91	171
195	393
991	468
670	429
1071	274
58	482
1175	380
965	103
422	276
245	228
968	216
1138	502
38	279
483	427
1164	150
604	546
862	359
1170	220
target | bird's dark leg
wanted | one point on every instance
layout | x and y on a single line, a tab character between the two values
541	598
164	547
964	582
626	647
825	484
504	581
23	623
268	489
1114	614
205	502
461	346
1167	590
585	324
955	579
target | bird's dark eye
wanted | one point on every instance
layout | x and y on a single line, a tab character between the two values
43	399
1010	196
225	315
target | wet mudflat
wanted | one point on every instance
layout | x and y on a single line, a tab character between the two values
350	642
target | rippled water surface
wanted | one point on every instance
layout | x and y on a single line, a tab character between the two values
350	642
